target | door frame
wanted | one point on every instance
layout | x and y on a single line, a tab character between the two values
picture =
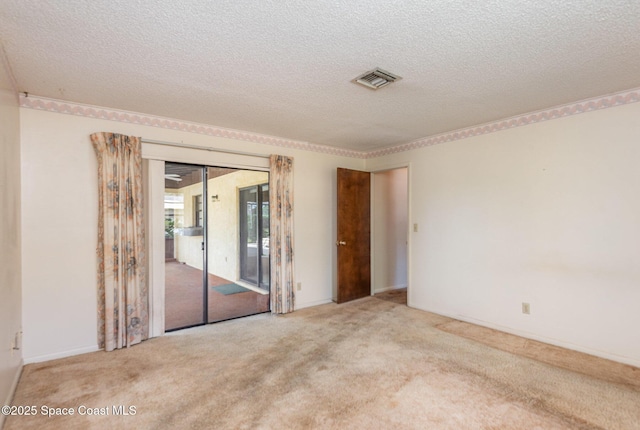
379	169
154	157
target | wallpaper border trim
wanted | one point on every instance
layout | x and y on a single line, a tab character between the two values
587	105
78	109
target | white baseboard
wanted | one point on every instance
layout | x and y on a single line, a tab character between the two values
543	339
311	304
63	354
12	391
393	287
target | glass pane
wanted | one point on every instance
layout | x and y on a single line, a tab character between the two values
232	243
249	234
184	289
264	254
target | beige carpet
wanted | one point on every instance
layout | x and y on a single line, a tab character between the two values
553	355
368	364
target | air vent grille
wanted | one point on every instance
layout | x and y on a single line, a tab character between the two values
376	78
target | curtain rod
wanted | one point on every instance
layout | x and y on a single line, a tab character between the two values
203	148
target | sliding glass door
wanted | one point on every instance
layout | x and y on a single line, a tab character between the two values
204	256
185	294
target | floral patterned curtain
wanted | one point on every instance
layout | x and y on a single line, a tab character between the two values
123	316
281	241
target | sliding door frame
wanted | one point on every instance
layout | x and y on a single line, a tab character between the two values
205	245
154	155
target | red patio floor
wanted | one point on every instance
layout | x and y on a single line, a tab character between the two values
184	298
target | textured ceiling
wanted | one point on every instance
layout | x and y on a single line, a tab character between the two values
285	68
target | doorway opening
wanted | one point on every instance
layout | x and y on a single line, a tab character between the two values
213	229
390	231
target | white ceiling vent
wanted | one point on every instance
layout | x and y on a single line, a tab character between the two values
376	78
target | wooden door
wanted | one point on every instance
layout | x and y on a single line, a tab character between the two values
354	235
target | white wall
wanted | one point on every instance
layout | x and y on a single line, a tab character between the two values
10	289
548	214
59	200
389	229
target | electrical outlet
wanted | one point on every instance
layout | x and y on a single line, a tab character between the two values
299	286
415	227
526	308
